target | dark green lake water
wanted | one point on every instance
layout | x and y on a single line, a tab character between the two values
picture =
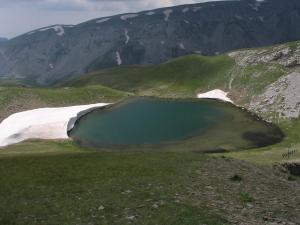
152	121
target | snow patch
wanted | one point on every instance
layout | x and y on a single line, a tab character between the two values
238	17
181	46
261	18
256	6
43	123
103	20
185	10
118	57
58	29
195	9
150	13
215	94
31	32
128	16
167	13
126	36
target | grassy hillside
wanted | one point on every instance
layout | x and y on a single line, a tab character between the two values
179	77
186	76
59	183
15	99
77	187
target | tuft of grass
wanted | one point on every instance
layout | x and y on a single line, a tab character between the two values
294	44
246	197
292	178
236	178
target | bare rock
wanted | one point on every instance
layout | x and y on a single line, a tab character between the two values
282	98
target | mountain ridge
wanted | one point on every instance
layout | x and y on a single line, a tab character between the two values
51	54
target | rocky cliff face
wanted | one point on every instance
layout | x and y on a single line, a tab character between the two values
55	53
287	55
280	99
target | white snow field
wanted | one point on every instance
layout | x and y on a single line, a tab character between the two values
215	94
43	123
58	29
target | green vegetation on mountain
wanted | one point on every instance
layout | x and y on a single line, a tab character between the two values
178	78
15	99
186	76
78	187
56	182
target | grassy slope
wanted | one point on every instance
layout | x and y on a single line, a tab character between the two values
179	77
71	188
14	99
58	183
273	154
185	77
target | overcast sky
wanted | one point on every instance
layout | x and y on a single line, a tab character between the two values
20	16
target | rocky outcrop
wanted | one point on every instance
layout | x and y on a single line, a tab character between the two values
292	167
283	55
53	54
280	100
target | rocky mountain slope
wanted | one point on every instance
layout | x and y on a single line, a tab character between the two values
3	39
280	99
52	54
